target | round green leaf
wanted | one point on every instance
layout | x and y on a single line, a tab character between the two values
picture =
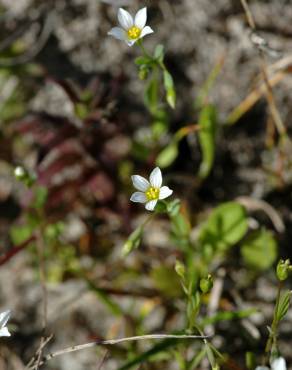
225	227
259	250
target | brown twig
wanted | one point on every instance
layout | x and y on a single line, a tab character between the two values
14	250
103	359
39	352
253	204
263	67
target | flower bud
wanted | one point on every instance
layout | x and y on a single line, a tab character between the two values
206	284
19	173
22	175
283	268
180	269
143	73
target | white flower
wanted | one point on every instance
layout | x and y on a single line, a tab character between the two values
4	317
131	30
277	364
150	191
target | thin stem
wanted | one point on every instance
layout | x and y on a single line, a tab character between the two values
145	52
40	243
113	342
41	250
273	333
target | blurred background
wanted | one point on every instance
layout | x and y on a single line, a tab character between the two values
72	116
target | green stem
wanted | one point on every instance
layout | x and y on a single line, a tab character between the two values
144	51
272	340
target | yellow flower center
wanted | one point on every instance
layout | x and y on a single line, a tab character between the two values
152	193
134	32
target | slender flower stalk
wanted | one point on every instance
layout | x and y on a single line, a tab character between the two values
132	29
150	191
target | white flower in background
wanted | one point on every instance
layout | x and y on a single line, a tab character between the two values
4	317
277	364
150	191
132	29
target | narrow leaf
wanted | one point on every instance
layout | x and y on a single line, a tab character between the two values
283	306
167	156
207	136
169	88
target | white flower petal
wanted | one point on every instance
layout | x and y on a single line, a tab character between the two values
165	192
4	317
151	205
4	332
125	19
146	31
279	364
262	368
141	18
138	197
118	33
156	178
140	183
130	42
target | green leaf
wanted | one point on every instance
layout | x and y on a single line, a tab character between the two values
225	227
283	306
228	316
159	53
161	207
142	61
204	91
259	250
193	307
168	155
169	88
20	233
180	230
173	207
196	360
133	241
180	269
207	136
40	197
180	225
81	110
250	360
151	95
53	231
143	72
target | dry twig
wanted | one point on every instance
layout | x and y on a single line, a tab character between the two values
113	342
263	66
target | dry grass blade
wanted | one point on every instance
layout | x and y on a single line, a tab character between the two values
253	97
